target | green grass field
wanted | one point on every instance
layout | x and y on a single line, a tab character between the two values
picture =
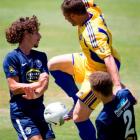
59	37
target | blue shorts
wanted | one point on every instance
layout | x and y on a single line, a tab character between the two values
30	122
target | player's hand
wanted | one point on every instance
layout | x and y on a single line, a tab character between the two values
43	78
43	75
29	93
119	87
116	89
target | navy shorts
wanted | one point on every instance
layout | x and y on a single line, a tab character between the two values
30	122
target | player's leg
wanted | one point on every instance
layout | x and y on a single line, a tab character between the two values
31	128
81	112
45	130
37	137
84	125
81	118
26	129
83	108
64	64
61	68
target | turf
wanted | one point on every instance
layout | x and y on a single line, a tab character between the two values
59	37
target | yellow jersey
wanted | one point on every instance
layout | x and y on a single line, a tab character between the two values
95	39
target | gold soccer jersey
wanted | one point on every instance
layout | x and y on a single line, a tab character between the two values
96	40
96	43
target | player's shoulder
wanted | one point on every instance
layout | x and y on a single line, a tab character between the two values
12	52
38	52
11	55
123	93
105	118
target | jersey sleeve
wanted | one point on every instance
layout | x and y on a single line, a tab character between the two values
45	61
11	65
99	43
125	93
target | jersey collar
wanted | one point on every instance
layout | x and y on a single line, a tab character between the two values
90	16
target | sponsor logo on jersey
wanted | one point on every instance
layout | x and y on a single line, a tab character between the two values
32	75
124	104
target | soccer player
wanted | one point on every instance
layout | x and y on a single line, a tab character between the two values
27	76
97	54
116	121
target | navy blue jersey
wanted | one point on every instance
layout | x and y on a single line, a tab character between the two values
27	68
27	116
117	121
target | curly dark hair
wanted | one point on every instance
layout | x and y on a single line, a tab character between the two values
15	32
73	6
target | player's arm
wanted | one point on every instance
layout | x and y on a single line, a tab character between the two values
104	52
44	79
113	70
18	88
10	66
39	91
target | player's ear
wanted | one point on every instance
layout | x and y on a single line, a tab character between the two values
72	15
25	33
75	17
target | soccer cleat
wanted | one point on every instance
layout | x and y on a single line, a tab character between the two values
69	115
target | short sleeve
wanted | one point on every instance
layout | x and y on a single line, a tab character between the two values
11	65
100	45
45	62
125	93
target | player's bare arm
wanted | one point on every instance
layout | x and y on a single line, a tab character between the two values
113	70
18	88
39	91
44	80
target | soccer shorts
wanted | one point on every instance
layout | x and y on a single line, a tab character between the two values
81	75
30	123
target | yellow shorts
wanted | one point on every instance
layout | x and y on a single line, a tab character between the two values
81	75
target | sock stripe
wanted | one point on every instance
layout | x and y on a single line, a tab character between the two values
90	100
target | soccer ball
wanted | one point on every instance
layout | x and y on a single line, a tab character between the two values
54	113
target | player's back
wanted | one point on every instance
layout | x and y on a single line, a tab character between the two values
117	119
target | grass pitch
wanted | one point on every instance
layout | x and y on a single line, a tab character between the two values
121	16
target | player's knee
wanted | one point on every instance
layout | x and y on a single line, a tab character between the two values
37	137
79	118
52	63
75	118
